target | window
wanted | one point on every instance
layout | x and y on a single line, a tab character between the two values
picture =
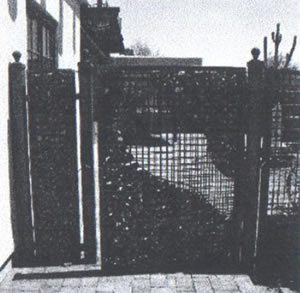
41	33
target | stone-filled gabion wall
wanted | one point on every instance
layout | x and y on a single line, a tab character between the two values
148	223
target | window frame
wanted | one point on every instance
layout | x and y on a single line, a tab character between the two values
41	48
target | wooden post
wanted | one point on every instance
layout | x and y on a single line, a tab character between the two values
252	164
87	160
19	165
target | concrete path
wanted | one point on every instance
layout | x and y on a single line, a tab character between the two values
158	283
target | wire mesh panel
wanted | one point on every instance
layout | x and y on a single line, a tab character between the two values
168	144
52	132
280	251
285	138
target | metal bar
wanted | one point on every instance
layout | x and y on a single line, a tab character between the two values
87	88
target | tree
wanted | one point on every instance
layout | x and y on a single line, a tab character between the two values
278	60
140	48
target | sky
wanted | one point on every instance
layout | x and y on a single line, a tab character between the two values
222	32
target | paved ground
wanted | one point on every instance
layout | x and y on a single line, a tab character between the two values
171	283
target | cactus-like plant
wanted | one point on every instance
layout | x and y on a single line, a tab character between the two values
276	38
290	55
278	60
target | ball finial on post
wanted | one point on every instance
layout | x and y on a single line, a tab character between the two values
255	69
17	56
255	53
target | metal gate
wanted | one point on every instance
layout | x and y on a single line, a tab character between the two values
169	143
198	169
43	147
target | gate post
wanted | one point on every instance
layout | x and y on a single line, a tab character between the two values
253	164
19	165
86	78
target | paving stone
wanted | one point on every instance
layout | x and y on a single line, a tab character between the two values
54	283
171	281
30	285
125	280
121	288
20	290
72	282
17	290
48	289
200	277
163	290
136	289
105	279
114	279
144	276
202	284
158	281
89	290
90	282
141	287
8	278
184	283
178	275
69	290
6	285
141	282
105	287
223	283
6	271
244	283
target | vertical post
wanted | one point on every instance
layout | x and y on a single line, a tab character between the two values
236	235
252	163
19	165
266	122
86	71
265	50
